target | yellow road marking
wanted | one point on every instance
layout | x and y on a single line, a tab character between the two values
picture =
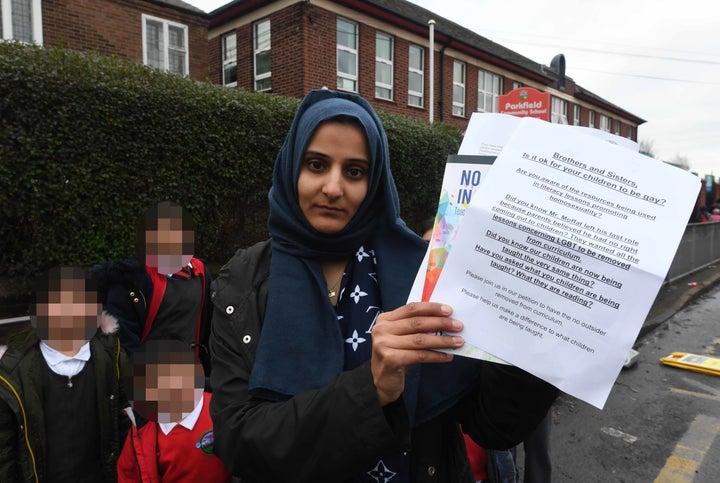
681	465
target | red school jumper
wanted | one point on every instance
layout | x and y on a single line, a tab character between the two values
151	456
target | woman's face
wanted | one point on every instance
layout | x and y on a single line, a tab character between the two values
333	178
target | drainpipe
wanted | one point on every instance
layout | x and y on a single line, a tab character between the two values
431	100
442	81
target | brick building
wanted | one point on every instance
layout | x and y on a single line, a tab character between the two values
381	50
377	48
168	34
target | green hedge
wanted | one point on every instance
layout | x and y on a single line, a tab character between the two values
88	143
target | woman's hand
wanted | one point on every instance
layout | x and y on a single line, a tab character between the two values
406	336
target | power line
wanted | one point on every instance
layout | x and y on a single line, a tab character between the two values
649	77
623	54
626	54
564	41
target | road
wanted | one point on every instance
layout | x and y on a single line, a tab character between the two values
660	423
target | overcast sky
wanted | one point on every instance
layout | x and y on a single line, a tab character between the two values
658	59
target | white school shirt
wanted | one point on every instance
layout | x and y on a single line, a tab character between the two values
59	363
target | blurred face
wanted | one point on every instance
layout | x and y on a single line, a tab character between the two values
67	315
174	389
333	179
167	247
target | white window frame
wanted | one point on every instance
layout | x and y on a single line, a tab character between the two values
458	104
591	119
419	95
379	62
630	132
516	85
166	42
228	62
35	21
576	115
489	94
558	112
617	127
605	123
260	49
347	76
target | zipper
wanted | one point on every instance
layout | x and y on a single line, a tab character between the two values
27	440
117	360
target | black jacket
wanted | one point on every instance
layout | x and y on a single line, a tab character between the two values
128	291
314	436
22	423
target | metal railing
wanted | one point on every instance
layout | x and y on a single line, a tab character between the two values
699	247
15	320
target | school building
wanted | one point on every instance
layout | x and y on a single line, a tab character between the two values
402	58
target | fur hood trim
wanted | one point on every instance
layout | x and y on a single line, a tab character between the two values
108	323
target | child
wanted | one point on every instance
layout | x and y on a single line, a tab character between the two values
177	445
61	391
163	292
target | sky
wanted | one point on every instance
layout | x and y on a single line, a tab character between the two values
657	59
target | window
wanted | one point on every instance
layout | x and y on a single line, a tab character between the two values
261	55
576	115
605	123
591	119
165	45
21	20
383	66
229	56
416	76
631	132
517	85
558	113
458	108
347	55
489	88
617	127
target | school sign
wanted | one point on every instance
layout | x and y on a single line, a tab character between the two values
525	102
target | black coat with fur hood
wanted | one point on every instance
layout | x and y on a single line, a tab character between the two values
22	423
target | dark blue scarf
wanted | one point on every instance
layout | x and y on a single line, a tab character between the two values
301	346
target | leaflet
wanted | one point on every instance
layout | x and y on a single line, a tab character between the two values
561	253
463	175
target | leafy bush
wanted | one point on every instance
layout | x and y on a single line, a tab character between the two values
88	143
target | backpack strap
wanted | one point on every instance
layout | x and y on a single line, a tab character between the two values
159	283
